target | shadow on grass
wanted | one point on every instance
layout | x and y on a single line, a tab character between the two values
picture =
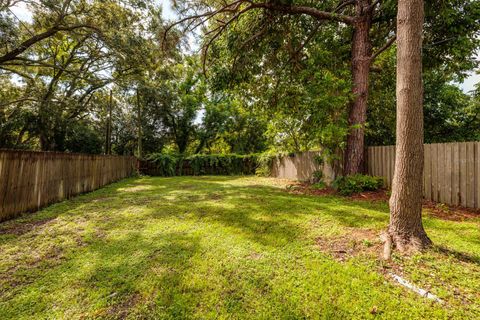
460	256
124	267
121	265
209	197
109	275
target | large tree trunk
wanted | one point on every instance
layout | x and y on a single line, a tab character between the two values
406	230
140	131
361	56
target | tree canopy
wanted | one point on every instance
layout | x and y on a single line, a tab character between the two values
267	75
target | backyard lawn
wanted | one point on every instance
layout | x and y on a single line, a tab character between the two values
227	247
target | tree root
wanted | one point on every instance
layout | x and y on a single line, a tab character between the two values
387	245
403	243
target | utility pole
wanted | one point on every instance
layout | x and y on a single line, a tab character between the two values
108	131
140	133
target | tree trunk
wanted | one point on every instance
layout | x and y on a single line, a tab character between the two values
361	56
108	130
406	230
140	131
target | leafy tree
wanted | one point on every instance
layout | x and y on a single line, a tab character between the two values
370	26
57	79
450	114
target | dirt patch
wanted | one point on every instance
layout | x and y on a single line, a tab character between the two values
122	309
215	197
21	227
255	256
379	195
308	189
355	242
23	273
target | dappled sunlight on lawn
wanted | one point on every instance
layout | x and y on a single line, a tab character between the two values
209	247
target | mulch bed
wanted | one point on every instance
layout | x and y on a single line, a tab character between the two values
452	213
441	211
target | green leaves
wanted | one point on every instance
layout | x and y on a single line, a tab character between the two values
357	183
202	164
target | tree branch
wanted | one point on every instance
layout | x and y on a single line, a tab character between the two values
287	9
13	54
385	47
17	101
219	32
344	4
313	12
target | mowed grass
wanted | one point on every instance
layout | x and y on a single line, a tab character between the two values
225	248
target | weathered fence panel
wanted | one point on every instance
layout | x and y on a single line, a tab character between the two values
30	180
451	172
301	166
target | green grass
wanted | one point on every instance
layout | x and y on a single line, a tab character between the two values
225	247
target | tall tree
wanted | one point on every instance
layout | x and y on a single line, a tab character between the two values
356	14
406	231
63	16
369	25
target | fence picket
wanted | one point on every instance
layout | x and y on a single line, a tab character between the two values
427	172
451	171
30	180
477	175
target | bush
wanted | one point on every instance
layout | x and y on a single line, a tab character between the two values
357	183
264	164
319	185
165	164
317	176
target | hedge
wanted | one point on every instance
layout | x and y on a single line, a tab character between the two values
159	164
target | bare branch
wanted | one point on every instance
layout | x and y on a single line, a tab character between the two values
344	4
385	47
286	9
223	27
228	8
313	12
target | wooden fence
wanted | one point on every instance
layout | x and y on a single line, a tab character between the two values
30	180
451	173
301	166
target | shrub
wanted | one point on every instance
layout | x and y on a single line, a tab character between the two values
317	176
319	185
357	183
165	164
264	164
319	160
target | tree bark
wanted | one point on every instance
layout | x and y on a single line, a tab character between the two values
140	131
361	58
406	230
108	131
